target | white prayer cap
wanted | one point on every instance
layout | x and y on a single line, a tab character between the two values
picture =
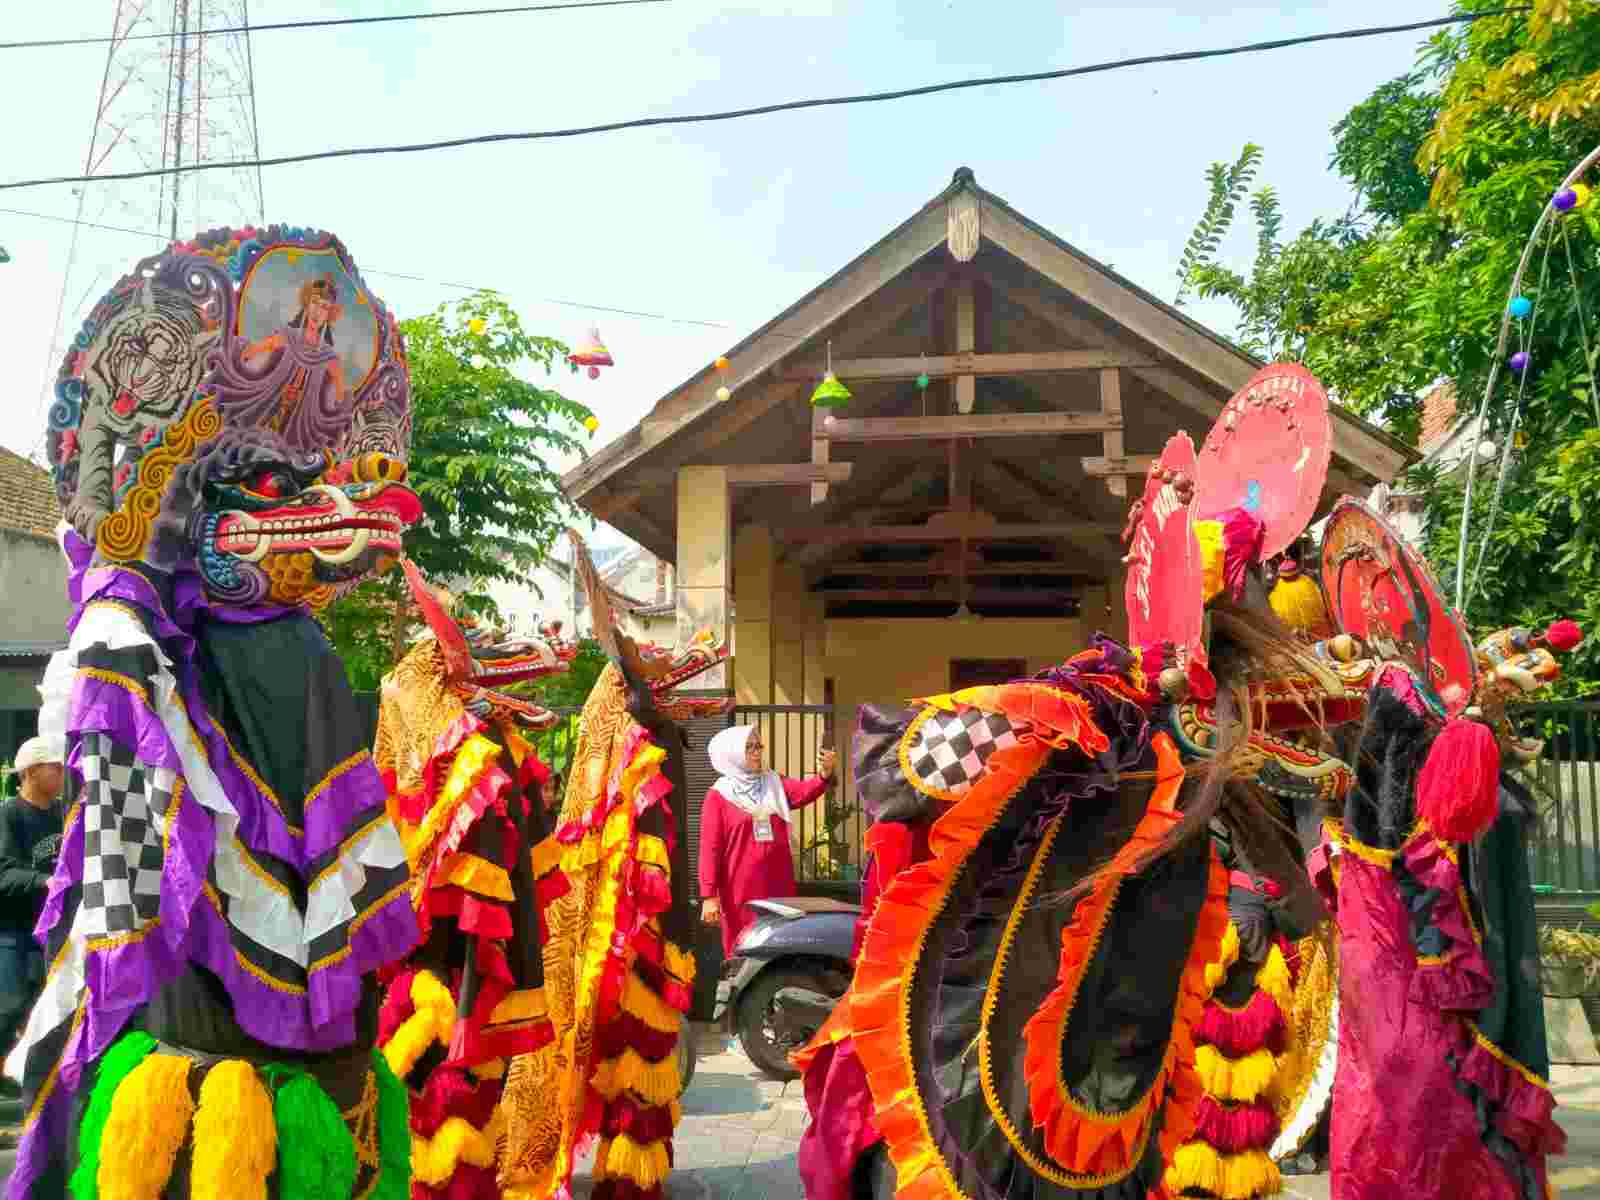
36	751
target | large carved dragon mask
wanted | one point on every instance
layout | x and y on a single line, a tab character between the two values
239	405
652	680
478	660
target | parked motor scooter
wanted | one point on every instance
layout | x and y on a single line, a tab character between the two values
787	972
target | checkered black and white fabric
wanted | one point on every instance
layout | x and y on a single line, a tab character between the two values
947	752
126	805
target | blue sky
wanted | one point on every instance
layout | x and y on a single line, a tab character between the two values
725	223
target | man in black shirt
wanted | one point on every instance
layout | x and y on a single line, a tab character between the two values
30	838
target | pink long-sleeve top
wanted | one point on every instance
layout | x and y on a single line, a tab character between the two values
735	868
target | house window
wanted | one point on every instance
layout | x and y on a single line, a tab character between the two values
977	672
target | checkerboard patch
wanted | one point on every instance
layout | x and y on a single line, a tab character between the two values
948	751
126	807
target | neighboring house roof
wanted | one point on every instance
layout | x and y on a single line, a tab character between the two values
692	412
13	650
27	497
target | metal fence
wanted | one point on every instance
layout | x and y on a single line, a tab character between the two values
1564	848
827	835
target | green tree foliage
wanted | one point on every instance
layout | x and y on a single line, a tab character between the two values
1452	165
483	437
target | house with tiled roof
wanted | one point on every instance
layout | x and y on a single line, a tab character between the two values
33	593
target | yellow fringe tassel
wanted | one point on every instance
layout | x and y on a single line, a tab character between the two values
646	1166
495	1068
1298	604
1234	1078
639	1001
1242	1176
1217	971
654	1083
434	1160
1273	979
235	1135
434	1021
680	962
148	1122
1213	557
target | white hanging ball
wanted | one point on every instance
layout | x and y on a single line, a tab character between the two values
1486	449
723	393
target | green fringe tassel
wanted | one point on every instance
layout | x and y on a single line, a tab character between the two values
126	1053
316	1154
394	1134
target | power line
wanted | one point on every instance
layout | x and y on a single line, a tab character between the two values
465	287
786	106
331	21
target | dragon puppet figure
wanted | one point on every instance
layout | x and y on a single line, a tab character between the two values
618	964
229	439
1047	912
466	789
1440	1085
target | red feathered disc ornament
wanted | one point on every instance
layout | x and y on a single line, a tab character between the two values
1458	788
1563	635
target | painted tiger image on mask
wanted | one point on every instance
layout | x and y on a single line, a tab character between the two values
148	359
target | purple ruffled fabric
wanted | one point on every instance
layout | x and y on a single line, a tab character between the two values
192	930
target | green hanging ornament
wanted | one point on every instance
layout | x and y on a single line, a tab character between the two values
830	393
4	257
922	382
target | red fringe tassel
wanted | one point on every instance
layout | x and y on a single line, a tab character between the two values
1259	1023
1231	1128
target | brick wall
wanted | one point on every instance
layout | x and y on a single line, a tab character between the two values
1438	415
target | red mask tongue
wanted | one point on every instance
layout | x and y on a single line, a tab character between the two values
457	654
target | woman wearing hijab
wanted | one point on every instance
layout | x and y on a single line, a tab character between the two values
744	830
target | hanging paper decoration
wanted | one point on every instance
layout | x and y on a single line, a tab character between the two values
830	393
591	423
592	354
4	257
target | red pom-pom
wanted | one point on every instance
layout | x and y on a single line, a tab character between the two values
1563	635
1458	788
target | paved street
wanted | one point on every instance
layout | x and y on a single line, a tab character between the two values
740	1133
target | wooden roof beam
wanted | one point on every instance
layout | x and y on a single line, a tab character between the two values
1128	466
939	567
944	531
943	366
983	597
981	425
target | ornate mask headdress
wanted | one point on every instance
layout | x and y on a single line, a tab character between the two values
196	426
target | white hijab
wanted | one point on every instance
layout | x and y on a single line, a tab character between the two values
753	792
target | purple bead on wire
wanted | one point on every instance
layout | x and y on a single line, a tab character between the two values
1565	200
1519	361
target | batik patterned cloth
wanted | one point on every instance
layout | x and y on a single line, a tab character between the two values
468	798
618	975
